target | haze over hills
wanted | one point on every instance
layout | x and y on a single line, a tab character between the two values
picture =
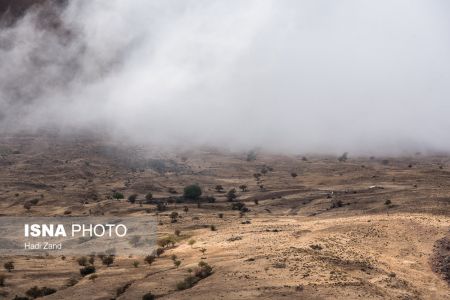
287	76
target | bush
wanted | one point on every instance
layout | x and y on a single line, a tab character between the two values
343	157
149	259
27	205
256	201
191	243
82	261
220	215
211	199
213	228
243	187
148	296
293	174
238	206
192	191
219	188
177	263
36	292
177	232
2	280
231	195
388	202
159	251
187	283
9	266
87	270
21	298
132	198
251	156
174	216
118	195
149	196
108	260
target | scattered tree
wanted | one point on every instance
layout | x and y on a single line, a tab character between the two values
149	259
192	192
243	187
231	195
9	266
132	198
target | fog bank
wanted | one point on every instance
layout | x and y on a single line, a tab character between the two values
298	76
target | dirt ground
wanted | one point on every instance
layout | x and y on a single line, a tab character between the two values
365	228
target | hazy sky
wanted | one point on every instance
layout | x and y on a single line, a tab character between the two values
303	76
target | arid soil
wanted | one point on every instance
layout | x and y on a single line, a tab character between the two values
364	228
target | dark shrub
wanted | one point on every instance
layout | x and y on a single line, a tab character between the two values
243	187
9	266
87	270
187	283
132	198
231	195
148	296
388	202
2	280
213	228
160	206
36	292
192	191
149	259
82	261
219	188
149	196
159	251
108	260
123	289
211	199
293	174
118	195
343	157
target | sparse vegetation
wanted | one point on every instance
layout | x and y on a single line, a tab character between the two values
159	251
202	271
118	195
36	292
219	188
132	198
87	270
149	196
231	195
177	263
191	242
243	187
9	266
149	259
108	260
148	296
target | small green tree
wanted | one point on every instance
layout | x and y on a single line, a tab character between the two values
192	191
118	195
191	242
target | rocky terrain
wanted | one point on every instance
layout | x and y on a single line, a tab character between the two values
313	227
